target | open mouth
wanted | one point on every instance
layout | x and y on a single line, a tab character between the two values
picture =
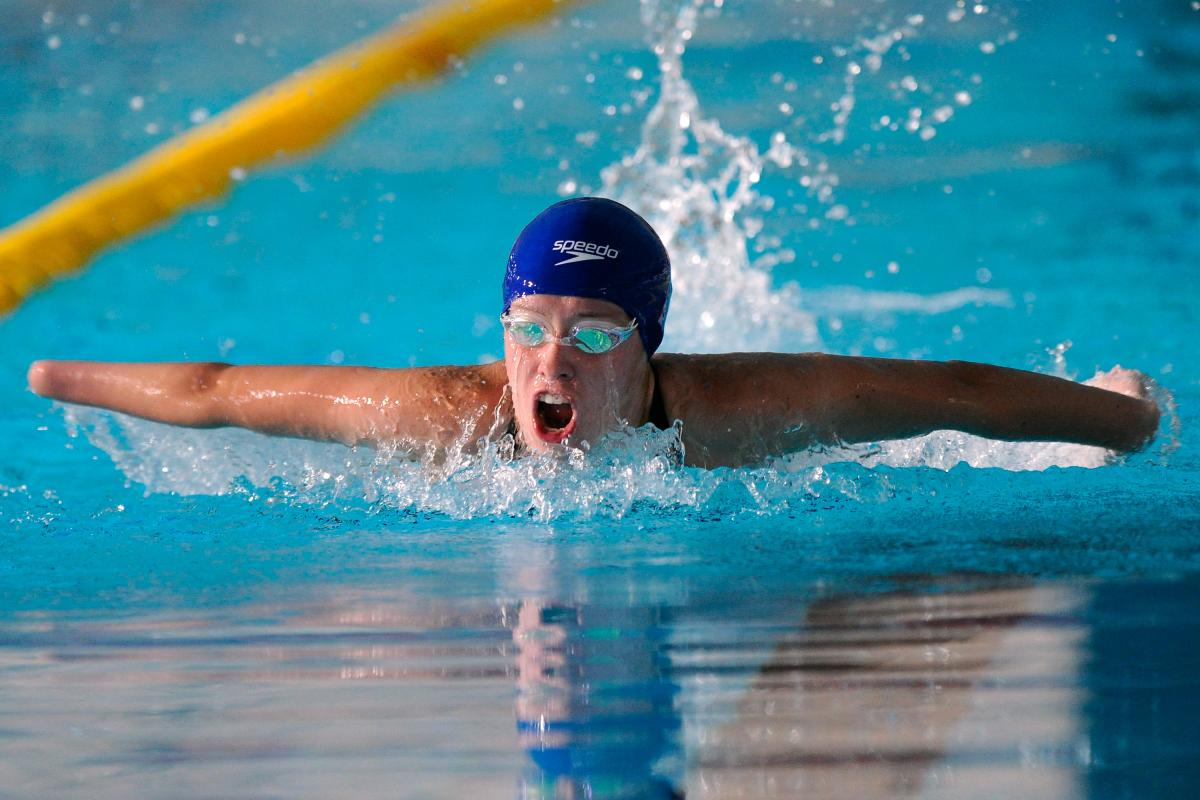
555	416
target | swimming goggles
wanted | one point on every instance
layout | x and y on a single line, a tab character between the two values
591	337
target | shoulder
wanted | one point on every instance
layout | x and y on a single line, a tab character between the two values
443	404
464	381
735	374
463	392
735	407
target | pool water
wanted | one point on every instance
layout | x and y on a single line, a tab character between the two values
215	613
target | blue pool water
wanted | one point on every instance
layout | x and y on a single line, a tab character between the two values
212	613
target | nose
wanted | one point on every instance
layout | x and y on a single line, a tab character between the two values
556	362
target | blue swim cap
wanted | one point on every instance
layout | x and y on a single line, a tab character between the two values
598	248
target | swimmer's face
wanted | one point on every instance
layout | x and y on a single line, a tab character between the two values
600	391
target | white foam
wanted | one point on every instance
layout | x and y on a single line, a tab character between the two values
628	470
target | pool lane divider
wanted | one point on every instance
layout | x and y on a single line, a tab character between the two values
287	118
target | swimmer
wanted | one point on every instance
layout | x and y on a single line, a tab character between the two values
585	301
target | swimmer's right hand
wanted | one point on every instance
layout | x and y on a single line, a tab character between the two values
39	378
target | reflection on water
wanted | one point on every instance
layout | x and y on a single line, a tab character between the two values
954	690
900	695
904	695
596	704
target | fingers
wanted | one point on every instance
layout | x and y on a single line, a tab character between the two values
1128	382
39	377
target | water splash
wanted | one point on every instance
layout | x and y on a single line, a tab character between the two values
631	472
866	58
696	185
628	472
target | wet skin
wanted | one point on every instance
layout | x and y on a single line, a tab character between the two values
603	390
736	408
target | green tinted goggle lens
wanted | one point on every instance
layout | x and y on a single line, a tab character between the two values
595	341
527	334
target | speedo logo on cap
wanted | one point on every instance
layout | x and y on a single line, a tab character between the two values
583	251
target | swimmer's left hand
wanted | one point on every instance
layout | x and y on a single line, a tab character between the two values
1128	382
1137	385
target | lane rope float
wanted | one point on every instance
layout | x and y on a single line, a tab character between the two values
285	119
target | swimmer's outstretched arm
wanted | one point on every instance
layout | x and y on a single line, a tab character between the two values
743	407
351	405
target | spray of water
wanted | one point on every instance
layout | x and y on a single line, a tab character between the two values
696	185
628	471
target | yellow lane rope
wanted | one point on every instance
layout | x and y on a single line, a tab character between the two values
287	118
